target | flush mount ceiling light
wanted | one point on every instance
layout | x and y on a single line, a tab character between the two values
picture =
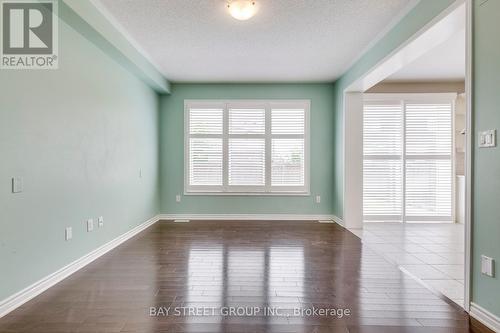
242	9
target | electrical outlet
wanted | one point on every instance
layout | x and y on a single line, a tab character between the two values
318	199
178	198
90	225
17	184
100	221
69	233
487	266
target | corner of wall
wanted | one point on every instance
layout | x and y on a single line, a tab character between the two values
92	22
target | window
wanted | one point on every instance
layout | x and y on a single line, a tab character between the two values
247	147
407	157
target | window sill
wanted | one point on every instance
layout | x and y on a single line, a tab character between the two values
245	194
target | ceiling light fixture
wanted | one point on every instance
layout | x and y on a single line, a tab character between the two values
242	9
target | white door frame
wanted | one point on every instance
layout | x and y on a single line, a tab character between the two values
469	95
432	34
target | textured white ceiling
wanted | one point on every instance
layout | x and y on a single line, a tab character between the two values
288	40
445	62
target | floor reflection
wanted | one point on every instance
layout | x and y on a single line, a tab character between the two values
205	288
430	252
258	264
264	283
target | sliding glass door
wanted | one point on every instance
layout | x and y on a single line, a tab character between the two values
382	161
408	158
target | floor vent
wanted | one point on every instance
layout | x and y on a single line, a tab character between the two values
326	221
181	221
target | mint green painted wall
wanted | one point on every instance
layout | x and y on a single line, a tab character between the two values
84	17
417	18
486	188
78	135
172	150
486	180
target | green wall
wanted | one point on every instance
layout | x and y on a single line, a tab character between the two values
486	188
172	150
89	21
78	136
486	179
417	18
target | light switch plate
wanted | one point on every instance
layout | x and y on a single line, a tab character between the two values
487	139
487	267
17	184
69	233
90	225
178	198
318	199
100	221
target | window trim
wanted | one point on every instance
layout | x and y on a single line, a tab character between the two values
267	189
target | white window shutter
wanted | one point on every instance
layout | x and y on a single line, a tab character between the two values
382	169
205	161
408	170
288	121
382	129
205	146
246	146
287	164
429	172
205	121
247	162
288	147
428	189
247	121
429	129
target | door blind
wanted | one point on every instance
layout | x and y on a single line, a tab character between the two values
382	169
429	172
407	168
428	129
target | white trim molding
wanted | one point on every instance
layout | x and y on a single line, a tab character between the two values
469	93
338	220
251	217
485	317
410	97
353	160
11	303
439	29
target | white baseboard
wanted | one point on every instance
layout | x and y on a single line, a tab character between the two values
250	217
487	318
9	304
338	220
12	302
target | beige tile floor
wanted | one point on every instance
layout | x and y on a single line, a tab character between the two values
431	252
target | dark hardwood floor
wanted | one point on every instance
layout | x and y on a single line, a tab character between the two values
238	266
